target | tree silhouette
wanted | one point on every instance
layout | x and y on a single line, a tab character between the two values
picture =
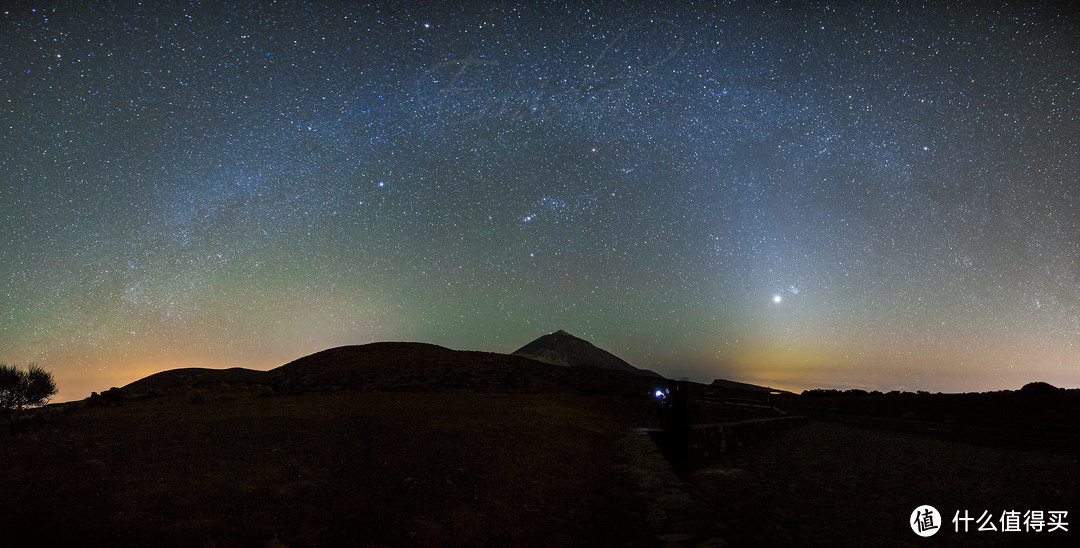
20	389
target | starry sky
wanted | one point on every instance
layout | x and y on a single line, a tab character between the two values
825	194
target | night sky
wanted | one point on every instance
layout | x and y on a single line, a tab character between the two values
824	195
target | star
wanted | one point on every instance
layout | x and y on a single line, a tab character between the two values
286	180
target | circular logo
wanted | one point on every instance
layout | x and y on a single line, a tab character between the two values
925	521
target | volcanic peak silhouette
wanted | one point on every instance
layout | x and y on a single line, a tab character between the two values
562	348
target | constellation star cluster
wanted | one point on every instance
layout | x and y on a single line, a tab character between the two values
882	196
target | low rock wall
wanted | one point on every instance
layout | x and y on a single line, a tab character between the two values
708	441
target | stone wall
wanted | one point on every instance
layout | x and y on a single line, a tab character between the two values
708	441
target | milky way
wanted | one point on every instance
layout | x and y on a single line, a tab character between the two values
879	197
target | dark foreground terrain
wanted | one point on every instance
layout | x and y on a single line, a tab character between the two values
392	445
371	468
829	484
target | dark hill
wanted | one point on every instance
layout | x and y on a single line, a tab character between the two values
421	367
1039	388
408	366
562	348
197	377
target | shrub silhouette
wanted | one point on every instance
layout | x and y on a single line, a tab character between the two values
111	397
21	389
1039	388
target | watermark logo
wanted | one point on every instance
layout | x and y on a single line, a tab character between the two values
925	521
1013	521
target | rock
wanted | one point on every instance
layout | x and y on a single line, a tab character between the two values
712	543
675	537
677	501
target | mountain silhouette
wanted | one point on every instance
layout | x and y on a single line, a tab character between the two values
562	348
409	367
400	366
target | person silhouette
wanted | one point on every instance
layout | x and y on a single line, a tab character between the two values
677	428
677	419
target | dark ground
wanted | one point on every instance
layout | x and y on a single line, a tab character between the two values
529	465
325	469
829	484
